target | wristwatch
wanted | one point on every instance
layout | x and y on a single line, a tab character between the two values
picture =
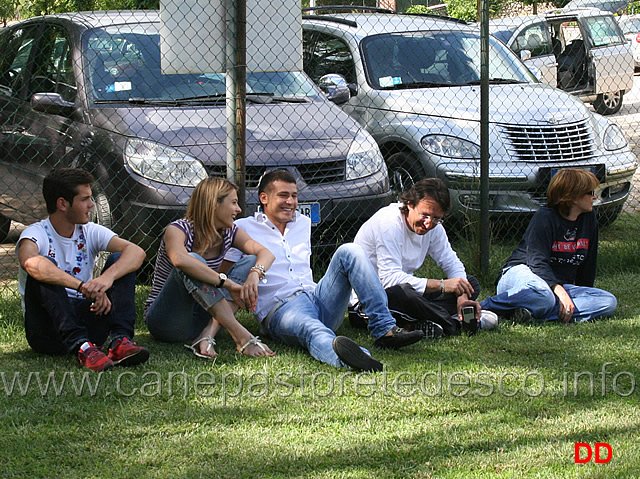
223	278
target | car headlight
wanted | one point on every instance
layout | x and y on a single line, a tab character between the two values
450	146
163	164
364	157
614	138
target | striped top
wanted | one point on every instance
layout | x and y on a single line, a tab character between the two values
164	265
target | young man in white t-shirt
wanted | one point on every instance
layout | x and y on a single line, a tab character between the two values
66	310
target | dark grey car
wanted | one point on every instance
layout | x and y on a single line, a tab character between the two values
87	90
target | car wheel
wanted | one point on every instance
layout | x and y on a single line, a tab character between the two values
101	215
5	226
403	171
102	211
608	103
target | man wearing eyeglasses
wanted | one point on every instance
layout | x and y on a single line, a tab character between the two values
397	240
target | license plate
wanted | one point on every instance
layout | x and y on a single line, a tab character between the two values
592	169
312	210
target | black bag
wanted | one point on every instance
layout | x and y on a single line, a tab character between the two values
411	310
402	297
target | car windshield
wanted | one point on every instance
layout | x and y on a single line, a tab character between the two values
123	64
440	58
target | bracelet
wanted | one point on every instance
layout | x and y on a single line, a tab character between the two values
258	268
80	287
442	286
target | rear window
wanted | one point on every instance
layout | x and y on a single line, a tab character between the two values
603	31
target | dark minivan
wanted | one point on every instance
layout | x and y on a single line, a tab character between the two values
87	90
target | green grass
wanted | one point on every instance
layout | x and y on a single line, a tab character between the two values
507	403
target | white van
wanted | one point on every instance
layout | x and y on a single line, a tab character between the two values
582	51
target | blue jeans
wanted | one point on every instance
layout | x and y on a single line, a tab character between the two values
310	319
519	287
179	313
54	323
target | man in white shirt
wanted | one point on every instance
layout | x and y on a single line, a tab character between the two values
292	307
66	310
398	238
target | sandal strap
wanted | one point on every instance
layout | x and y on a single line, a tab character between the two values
209	339
254	340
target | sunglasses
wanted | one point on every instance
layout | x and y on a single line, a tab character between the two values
433	219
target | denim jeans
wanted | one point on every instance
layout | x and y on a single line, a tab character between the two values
179	313
57	324
519	287
310	319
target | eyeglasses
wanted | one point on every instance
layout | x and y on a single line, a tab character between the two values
591	193
432	219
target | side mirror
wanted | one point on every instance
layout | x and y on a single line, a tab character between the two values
52	103
335	87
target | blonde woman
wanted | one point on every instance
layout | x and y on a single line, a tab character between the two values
551	273
191	299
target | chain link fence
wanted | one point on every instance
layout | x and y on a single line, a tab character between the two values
386	100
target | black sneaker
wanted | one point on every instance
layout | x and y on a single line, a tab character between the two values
521	316
357	318
353	356
399	338
430	329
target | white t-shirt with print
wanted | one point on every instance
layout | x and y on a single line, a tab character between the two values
75	255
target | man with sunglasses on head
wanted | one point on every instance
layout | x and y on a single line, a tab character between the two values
398	239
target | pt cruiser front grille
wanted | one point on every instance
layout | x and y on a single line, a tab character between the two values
549	144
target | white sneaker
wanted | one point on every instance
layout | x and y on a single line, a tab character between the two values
488	319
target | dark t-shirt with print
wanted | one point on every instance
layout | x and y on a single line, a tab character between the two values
558	250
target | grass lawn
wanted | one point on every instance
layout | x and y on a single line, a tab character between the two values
511	402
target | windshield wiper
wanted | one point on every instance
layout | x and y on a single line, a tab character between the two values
201	98
217	97
137	101
270	97
144	101
291	99
497	81
416	84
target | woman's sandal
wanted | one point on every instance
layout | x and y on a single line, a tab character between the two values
254	340
196	351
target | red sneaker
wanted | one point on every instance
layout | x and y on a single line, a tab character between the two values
127	353
91	356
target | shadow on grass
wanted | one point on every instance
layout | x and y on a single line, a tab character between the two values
471	428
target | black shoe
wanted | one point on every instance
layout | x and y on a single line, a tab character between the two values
357	318
521	316
399	338
353	356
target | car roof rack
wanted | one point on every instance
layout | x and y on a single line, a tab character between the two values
343	21
347	8
359	8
